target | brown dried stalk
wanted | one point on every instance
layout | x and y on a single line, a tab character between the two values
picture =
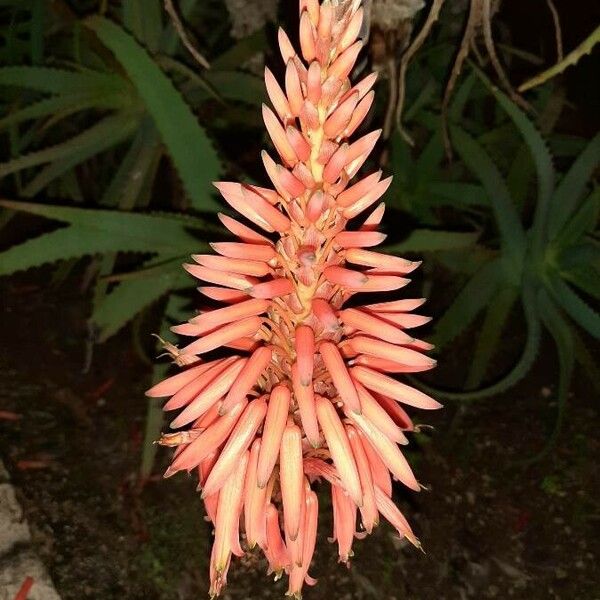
183	36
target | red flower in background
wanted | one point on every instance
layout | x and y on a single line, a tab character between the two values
306	390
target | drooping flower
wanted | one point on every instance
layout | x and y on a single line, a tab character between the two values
288	382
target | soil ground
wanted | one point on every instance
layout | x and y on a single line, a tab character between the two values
490	527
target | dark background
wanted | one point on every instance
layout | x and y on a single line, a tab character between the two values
494	523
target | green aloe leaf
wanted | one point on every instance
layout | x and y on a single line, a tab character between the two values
458	193
144	19
135	169
570	59
108	132
585	357
586	278
99	231
240	52
428	162
237	86
570	189
585	253
432	240
520	368
583	221
539	152
507	219
471	300
57	81
490	334
583	314
565	346
190	149
131	296
65	105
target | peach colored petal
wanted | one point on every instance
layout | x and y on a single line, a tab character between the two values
291	475
404	305
344	522
341	116
275	549
362	110
307	37
209	395
285	46
299	144
342	381
323	311
272	289
368	511
387	366
293	88
363	145
388	451
222	294
344	63
238	443
373	326
375	413
230	280
335	165
359	239
314	83
391	512
275	422
233	265
315	206
352	30
345	277
226	333
277	97
380	473
278	136
247	378
394	389
368	199
242	231
228	514
355	192
396	412
262	252
173	384
339	447
189	392
255	502
305	353
305	398
209	440
374	219
212	319
405	320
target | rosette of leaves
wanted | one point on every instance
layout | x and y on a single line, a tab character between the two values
549	268
118	101
92	123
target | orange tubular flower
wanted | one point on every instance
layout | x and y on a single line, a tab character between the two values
303	386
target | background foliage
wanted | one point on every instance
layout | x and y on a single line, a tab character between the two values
112	133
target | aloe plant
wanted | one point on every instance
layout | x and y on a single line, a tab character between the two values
113	97
550	268
135	97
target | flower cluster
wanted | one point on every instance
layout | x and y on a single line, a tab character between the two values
287	382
